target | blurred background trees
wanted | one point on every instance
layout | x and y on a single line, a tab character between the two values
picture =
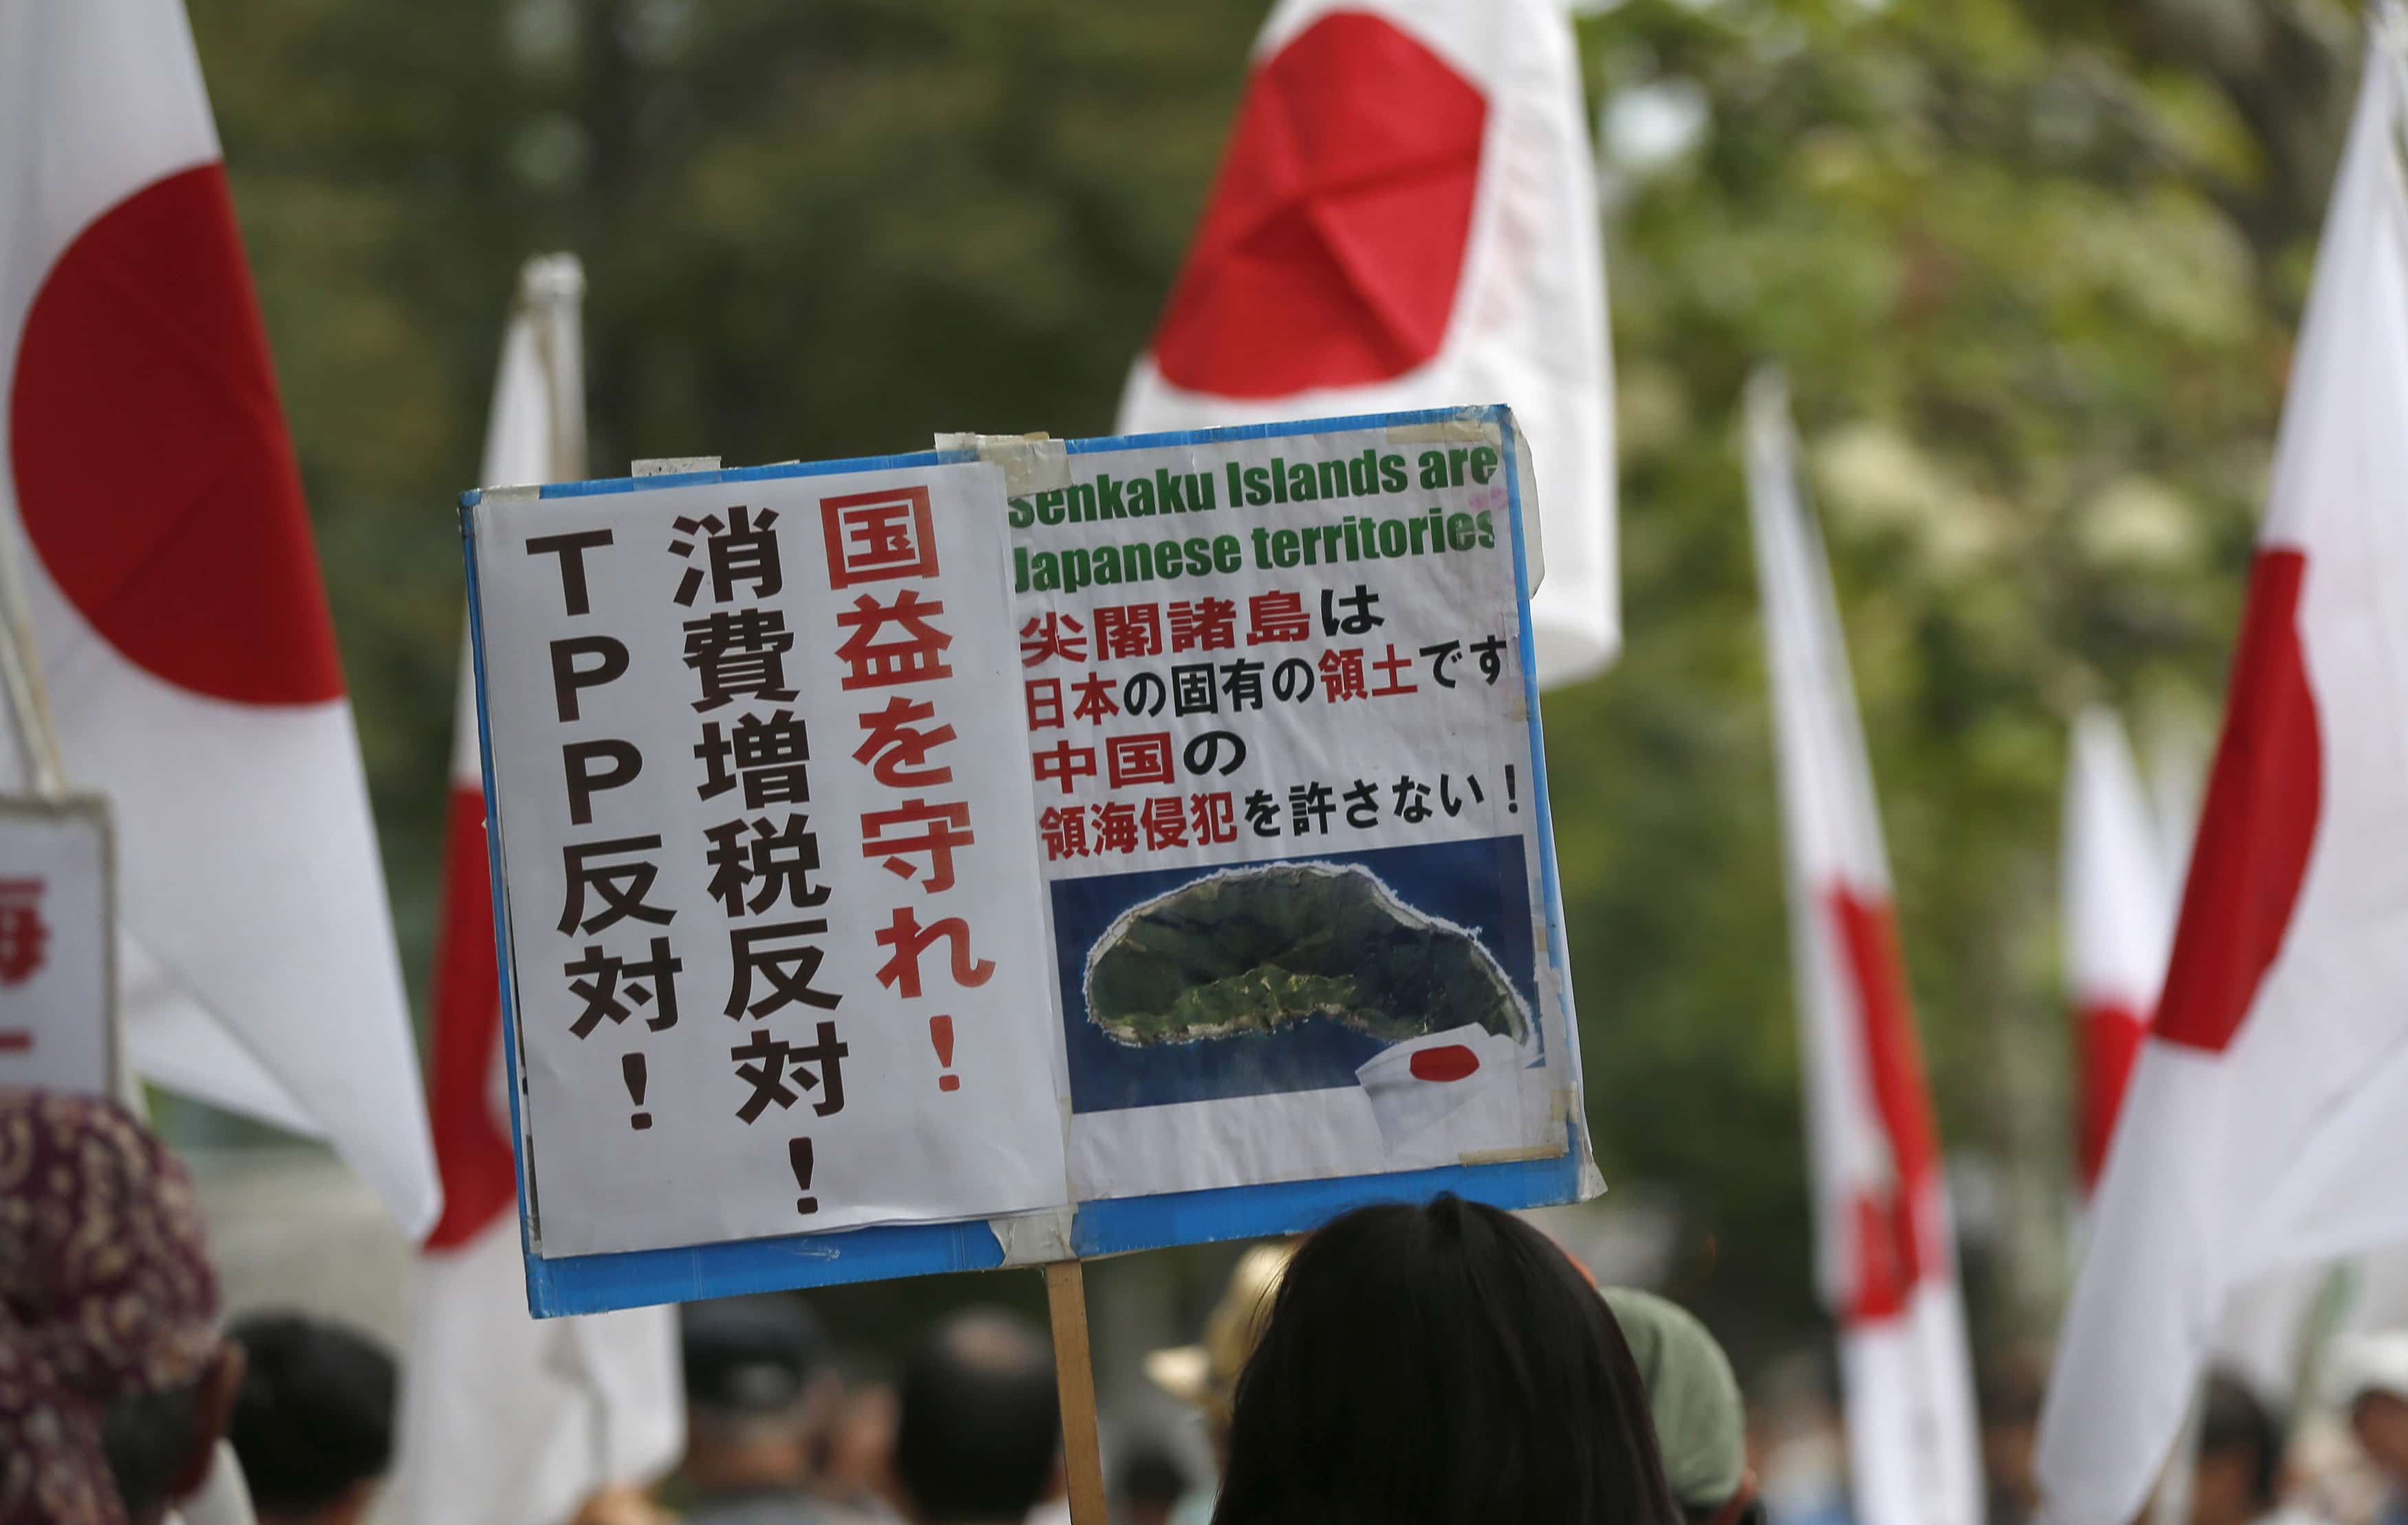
2033	267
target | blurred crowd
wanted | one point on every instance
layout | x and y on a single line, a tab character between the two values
1446	1361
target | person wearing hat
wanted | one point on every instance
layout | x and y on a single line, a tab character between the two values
1204	1375
756	1390
2374	1383
1692	1395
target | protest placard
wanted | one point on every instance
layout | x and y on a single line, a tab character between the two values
1026	850
1282	735
771	949
57	945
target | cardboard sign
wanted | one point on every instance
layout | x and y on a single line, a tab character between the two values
57	945
1280	729
773	951
1025	850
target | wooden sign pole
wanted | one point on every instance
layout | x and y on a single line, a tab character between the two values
1074	1376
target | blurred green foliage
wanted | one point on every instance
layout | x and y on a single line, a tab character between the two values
2031	265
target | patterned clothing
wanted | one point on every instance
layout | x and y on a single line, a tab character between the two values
106	1294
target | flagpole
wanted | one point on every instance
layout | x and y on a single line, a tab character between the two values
20	667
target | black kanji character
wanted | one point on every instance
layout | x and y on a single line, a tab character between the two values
1311	806
1193	690
787	971
619	887
742	550
768	754
599	980
1241	682
739	653
778	861
764	1063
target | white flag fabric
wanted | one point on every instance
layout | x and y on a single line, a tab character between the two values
2263	1126
2118	924
1883	1241
153	505
1407	216
508	1419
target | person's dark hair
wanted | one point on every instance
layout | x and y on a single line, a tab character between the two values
1443	1364
148	1439
2234	1420
977	1429
1152	1474
314	1417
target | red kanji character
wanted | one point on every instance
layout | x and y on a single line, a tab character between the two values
1140	759
1207	625
1116	826
1065	832
1164	819
1095	703
915	656
948	826
1341	674
1065	765
1277	616
25	936
1050	634
1044	699
1216	818
908	938
899	745
874	537
1125	630
1392	669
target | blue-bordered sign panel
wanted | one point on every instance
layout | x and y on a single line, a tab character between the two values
1301	943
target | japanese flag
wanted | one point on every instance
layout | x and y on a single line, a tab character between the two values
2264	1125
153	503
506	1419
2118	923
1407	216
1883	1241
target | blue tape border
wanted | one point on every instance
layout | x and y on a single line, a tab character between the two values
636	1279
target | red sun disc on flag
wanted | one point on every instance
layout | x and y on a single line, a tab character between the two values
2258	826
153	470
1331	248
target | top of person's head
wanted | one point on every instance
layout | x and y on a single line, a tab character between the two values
979	1433
751	1358
1693	1394
313	1426
117	1381
2233	1422
1440	1363
1151	1475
